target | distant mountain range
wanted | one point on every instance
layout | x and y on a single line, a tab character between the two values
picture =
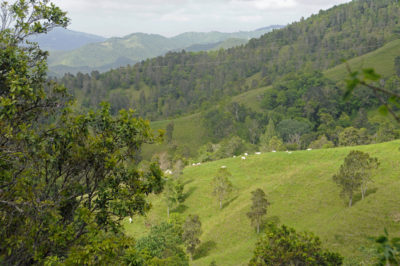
80	52
60	39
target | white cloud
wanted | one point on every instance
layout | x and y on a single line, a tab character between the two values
121	17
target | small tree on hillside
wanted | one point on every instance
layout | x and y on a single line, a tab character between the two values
173	194
169	132
355	173
221	184
258	209
191	233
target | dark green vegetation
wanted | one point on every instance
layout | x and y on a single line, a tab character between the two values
118	52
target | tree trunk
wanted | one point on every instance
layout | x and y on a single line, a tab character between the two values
220	204
363	191
168	211
258	228
351	200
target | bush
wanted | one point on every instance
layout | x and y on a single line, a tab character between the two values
283	246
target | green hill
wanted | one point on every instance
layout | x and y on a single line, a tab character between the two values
303	196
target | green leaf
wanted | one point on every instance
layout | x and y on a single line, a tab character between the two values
383	110
370	74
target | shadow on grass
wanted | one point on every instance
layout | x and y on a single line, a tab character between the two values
357	197
188	182
180	209
189	192
226	204
204	249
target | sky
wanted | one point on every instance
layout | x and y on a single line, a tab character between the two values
117	18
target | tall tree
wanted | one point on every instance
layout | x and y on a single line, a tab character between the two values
169	132
67	180
355	173
258	208
191	233
221	185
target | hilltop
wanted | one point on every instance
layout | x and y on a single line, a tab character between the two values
303	196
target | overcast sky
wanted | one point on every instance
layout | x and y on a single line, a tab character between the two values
171	17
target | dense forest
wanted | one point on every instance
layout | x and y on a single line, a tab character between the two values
182	82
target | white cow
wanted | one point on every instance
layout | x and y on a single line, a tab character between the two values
258	153
243	158
223	166
130	220
168	172
245	154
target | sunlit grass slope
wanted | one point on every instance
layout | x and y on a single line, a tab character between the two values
188	130
382	60
302	195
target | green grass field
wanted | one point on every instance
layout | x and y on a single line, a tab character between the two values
302	195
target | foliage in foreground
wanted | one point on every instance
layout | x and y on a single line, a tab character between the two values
284	246
66	180
388	250
162	246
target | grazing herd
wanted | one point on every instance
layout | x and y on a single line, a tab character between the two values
244	157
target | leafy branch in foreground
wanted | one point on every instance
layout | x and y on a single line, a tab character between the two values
388	250
389	100
66	179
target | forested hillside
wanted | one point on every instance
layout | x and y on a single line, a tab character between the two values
116	52
182	82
